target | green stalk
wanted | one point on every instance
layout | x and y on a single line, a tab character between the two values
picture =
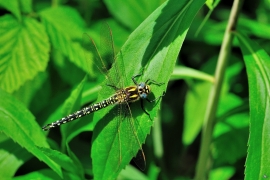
204	162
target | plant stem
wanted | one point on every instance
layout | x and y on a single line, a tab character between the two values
204	161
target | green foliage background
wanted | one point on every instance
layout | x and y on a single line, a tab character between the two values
43	78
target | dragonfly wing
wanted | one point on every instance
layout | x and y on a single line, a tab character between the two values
106	42
106	39
91	52
133	134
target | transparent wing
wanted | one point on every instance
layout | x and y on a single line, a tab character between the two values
106	42
133	138
107	46
91	52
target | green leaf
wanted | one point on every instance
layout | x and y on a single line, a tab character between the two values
134	11
222	173
46	174
26	6
12	156
154	46
254	27
27	92
232	114
13	7
130	172
257	62
181	72
24	51
63	161
65	33
64	65
196	100
231	146
14	117
206	32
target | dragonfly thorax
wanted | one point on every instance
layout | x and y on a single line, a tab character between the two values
133	93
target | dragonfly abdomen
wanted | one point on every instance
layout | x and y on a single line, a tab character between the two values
83	112
128	95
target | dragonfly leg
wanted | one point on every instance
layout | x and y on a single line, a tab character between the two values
112	86
142	106
135	76
147	81
153	82
156	99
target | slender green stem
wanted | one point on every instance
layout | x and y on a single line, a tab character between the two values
204	161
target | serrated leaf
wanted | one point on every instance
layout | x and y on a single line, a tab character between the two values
23	53
65	33
154	46
14	117
257	62
63	161
13	7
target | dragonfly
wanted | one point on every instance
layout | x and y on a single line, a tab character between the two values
122	97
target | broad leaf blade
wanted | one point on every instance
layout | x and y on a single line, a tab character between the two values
258	71
24	51
65	33
154	46
14	117
13	7
196	100
63	161
12	156
46	174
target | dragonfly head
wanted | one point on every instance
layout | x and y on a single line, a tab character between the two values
143	90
